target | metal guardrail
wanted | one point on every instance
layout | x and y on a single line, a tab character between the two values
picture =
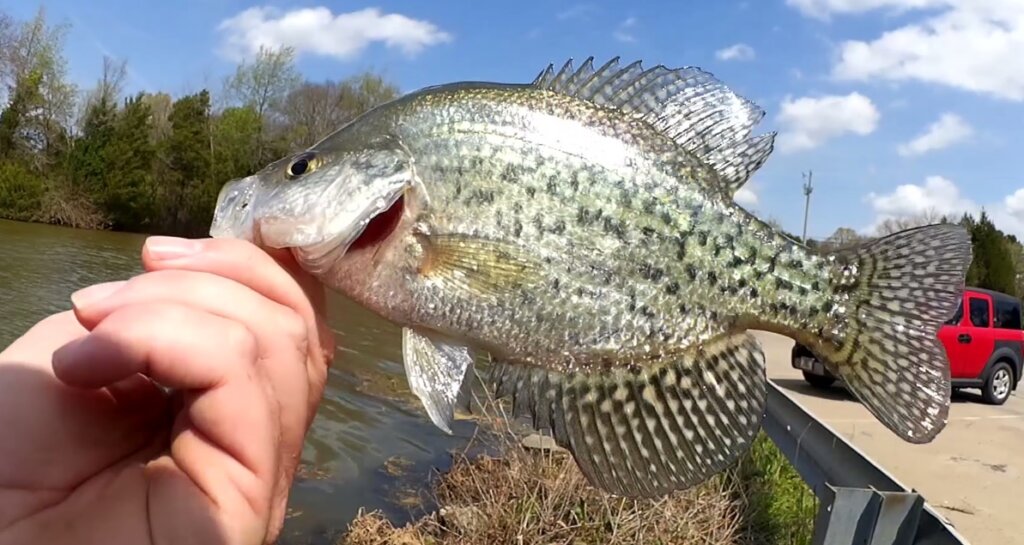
859	502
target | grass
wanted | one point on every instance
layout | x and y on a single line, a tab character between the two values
531	496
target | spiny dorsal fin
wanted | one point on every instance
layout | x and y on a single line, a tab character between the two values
669	425
687	104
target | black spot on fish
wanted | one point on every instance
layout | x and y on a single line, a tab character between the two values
741	283
538	222
646	312
458	189
650	272
552	185
574	182
815	286
783	284
702	238
771	263
826	307
754	294
647	231
555	284
531	191
666	218
650	205
517	228
508	174
691	272
712	278
683	309
559	227
517	207
735	261
582	216
579	292
672	288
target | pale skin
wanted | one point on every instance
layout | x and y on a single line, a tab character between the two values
93	451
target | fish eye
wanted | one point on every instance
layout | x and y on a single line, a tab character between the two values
301	165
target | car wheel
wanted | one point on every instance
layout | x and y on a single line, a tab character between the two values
818	381
999	384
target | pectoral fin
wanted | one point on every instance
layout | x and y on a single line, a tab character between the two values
482	267
435	369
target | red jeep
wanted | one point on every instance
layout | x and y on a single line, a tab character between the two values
985	347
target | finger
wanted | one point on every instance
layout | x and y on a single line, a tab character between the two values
281	334
212	359
273	273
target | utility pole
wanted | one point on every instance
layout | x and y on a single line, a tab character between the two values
808	188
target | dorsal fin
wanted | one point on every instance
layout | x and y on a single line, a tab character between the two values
687	104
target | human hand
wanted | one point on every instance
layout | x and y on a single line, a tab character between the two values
94	451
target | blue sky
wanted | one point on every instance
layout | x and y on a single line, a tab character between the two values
896	105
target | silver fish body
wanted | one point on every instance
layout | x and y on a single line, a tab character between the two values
581	230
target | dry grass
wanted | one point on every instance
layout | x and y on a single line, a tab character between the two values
528	496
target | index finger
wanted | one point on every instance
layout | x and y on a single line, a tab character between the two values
277	277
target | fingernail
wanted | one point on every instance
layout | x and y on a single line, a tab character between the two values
171	247
87	296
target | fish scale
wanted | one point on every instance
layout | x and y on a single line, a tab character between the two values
581	231
493	161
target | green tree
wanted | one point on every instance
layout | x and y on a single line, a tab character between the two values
188	157
24	98
128	196
992	266
235	134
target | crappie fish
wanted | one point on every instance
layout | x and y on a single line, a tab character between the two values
581	230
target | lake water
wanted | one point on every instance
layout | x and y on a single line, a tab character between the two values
368	414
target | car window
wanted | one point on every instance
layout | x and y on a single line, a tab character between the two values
979	312
1007	314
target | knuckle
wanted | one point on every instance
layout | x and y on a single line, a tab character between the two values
293	326
240	341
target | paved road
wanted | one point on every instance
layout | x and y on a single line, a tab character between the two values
971	473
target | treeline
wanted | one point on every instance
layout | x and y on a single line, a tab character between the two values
149	162
998	262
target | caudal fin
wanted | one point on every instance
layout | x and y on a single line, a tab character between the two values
892	297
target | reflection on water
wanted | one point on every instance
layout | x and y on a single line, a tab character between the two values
367	416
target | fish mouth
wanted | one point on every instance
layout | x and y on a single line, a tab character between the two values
373	227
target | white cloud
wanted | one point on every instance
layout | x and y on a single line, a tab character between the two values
624	32
824	9
808	122
735	52
950	129
972	45
320	32
746	197
937	194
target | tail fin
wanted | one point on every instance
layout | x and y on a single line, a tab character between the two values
893	296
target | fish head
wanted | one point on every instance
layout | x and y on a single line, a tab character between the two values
320	203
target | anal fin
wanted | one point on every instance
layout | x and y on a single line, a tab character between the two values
664	425
435	370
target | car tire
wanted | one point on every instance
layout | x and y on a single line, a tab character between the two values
999	384
818	381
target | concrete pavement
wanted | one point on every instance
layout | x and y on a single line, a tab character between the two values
971	472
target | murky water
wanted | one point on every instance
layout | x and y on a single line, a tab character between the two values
367	416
